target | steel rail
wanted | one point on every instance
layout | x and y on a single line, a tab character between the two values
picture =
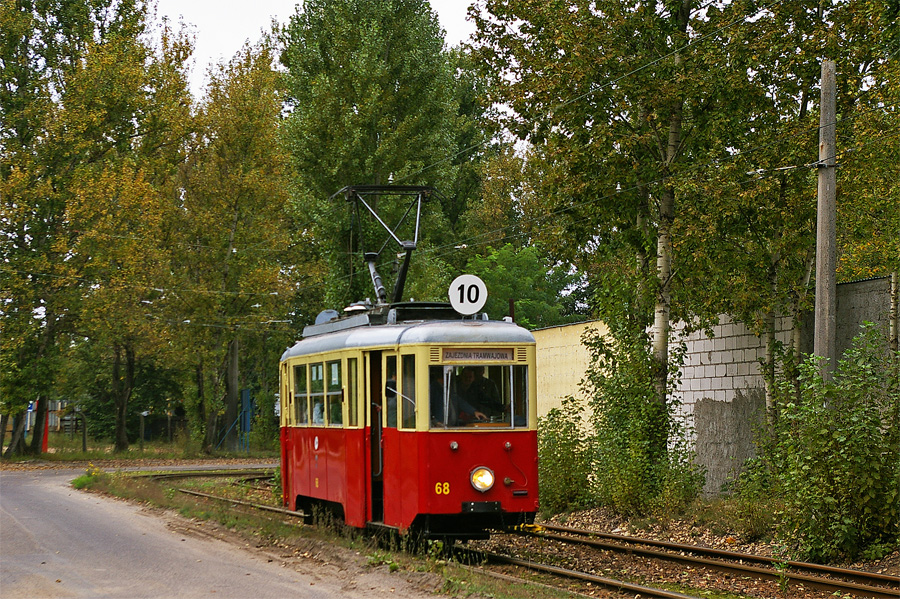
792	578
246	481
859	576
199	473
608	583
267	508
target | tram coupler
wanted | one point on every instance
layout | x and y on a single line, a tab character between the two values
528	529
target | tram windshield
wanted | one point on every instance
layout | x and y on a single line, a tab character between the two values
478	395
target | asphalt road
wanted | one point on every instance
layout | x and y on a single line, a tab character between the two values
56	541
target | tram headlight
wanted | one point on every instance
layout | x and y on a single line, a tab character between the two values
482	479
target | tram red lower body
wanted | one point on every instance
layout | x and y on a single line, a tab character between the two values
424	483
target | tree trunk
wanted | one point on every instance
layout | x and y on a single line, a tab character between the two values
203	411
661	324
212	430
792	371
771	341
16	441
122	386
232	397
4	421
664	257
895	311
40	416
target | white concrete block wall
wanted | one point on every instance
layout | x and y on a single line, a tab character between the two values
717	367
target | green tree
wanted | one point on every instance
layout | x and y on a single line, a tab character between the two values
371	102
494	217
56	132
474	130
120	204
644	121
754	233
236	235
617	101
524	277
869	207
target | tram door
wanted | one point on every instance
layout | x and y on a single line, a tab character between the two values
383	426
376	451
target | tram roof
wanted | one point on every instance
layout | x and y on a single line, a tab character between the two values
405	333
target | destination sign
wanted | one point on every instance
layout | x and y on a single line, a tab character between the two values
477	355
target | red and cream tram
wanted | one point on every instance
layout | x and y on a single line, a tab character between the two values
412	418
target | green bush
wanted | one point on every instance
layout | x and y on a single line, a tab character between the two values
841	442
643	464
264	435
831	461
565	459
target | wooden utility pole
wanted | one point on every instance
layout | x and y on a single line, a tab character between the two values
895	310
826	237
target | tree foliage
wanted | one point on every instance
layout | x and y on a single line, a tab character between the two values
869	207
80	83
371	102
619	102
522	276
234	233
672	149
566	465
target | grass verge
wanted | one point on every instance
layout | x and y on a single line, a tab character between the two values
290	537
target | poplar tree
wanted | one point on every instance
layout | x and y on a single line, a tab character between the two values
370	102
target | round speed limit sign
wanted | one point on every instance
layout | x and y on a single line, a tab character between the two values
468	294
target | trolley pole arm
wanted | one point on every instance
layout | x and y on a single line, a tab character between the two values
378	218
357	195
380	291
408	247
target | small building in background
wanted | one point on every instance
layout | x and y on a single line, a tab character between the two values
562	360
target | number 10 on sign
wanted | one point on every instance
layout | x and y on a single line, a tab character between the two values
468	294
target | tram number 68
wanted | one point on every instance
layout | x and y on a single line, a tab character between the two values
442	488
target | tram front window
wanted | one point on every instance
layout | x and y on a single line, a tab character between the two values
476	395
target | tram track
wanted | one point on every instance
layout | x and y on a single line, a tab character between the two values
830	579
247	476
611	584
858	576
248	473
791	573
484	558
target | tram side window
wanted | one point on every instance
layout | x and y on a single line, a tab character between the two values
334	394
300	394
520	395
352	393
390	390
408	392
285	400
317	392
